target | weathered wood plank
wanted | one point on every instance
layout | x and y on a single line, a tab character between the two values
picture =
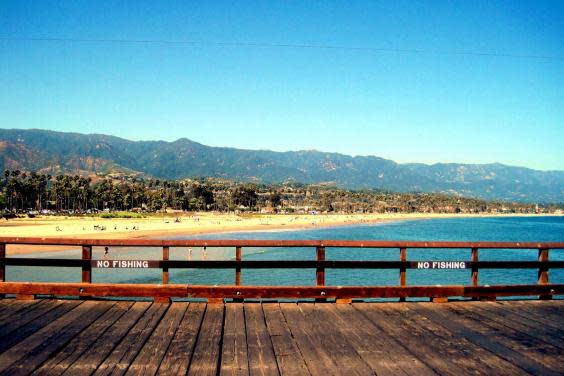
91	359
149	358
494	313
52	337
336	344
261	354
234	357
288	356
495	316
121	357
317	359
556	306
382	352
13	306
72	352
22	317
531	349
177	359
206	357
433	344
549	315
13	337
538	305
407	338
27	355
8	303
463	327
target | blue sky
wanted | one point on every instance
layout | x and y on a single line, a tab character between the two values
425	106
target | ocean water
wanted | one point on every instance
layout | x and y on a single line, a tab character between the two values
537	229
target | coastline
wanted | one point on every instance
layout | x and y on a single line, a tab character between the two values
196	224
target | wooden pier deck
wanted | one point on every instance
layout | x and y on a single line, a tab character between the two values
116	337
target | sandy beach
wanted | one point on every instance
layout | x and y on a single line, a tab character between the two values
196	224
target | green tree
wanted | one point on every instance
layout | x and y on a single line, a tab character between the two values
245	195
275	199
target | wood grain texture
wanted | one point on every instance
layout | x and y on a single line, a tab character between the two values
20	331
58	363
315	355
207	354
51	337
234	356
519	348
107	343
288	355
179	354
382	351
131	344
433	344
30	353
260	352
149	358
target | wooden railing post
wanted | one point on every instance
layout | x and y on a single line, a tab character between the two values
238	268
320	271
543	272
475	257
87	268
2	265
166	256
403	270
238	257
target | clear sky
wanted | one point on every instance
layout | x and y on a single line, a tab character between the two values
428	106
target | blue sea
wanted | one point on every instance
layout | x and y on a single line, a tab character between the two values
523	229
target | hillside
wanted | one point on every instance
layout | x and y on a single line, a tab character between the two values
56	152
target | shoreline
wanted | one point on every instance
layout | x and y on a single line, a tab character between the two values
196	224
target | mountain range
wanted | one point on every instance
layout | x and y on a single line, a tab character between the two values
60	152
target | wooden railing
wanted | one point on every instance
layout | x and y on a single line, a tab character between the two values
320	292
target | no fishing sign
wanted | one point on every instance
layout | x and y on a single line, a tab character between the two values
125	264
441	265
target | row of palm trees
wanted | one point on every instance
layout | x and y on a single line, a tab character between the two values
24	191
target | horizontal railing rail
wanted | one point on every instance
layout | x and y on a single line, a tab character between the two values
282	264
285	292
165	291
